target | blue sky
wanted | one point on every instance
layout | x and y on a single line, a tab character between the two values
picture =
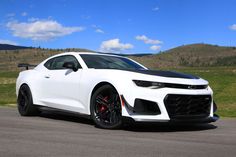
122	26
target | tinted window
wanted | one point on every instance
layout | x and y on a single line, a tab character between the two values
57	62
109	62
48	64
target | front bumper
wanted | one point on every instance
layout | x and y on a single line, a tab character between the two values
164	115
176	121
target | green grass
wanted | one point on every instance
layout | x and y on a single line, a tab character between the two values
7	90
7	94
10	74
221	79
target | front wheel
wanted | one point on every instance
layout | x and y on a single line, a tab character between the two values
106	108
25	102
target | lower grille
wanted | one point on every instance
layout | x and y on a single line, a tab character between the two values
188	106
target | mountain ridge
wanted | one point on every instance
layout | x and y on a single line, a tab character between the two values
192	55
12	47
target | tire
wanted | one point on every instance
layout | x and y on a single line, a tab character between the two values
25	102
105	108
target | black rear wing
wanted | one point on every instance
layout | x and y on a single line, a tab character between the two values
25	65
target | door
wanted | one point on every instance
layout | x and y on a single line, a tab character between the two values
60	86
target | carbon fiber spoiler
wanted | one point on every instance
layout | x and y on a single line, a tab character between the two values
25	65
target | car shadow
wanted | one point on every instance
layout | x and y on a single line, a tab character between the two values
65	116
130	126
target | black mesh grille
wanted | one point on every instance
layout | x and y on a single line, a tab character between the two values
191	106
182	86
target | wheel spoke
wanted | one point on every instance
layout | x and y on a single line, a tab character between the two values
102	115
25	103
112	117
23	93
23	99
101	100
113	99
115	116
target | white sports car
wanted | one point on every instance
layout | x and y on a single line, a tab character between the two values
109	88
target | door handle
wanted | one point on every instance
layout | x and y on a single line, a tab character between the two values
46	76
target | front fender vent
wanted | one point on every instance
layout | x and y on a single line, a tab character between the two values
146	107
142	107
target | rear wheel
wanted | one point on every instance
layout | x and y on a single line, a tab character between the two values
25	102
106	108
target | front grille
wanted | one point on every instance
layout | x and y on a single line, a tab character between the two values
184	86
188	106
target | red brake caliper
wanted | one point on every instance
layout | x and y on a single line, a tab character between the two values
103	107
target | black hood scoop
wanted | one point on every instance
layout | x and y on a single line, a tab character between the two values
165	74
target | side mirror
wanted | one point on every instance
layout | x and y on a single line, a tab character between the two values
70	65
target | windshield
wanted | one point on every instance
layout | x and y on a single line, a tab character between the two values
110	62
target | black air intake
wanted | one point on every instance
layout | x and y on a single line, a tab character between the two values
188	106
145	107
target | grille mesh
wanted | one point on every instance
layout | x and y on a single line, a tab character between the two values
182	106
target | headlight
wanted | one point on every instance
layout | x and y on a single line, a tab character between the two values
149	84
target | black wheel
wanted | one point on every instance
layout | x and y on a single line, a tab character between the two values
25	102
106	108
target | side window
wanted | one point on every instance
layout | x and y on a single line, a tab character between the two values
70	58
48	64
57	62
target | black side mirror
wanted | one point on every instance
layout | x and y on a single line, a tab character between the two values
70	65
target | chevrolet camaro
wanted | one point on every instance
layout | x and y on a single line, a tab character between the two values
110	88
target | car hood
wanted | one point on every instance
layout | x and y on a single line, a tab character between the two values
165	77
161	73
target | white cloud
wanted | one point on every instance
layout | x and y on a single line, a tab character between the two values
233	27
24	14
41	30
155	9
147	40
114	45
155	48
2	41
99	30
